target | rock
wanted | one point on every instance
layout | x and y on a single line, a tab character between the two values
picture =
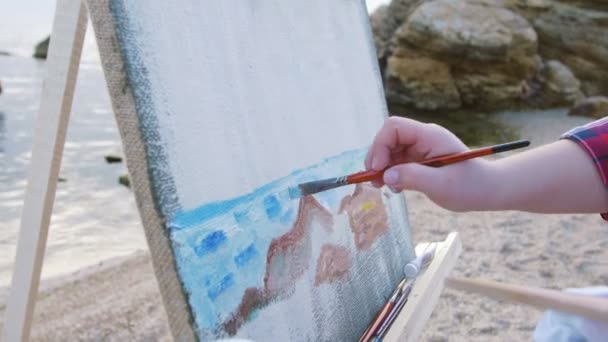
4	53
421	82
451	54
378	21
124	180
532	4
560	86
554	85
0	87
381	32
576	34
111	158
386	19
594	107
491	54
599	5
461	30
42	48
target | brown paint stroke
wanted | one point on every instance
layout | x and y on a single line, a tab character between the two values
288	255
367	216
333	264
286	261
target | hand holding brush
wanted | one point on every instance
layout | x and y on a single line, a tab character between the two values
565	176
314	187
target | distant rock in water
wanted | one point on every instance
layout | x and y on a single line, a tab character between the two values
111	158
0	87
595	107
4	53
42	48
124	180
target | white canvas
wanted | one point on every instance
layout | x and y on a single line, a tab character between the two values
236	102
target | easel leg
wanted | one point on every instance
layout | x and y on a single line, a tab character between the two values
62	65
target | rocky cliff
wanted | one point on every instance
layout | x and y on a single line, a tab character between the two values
491	54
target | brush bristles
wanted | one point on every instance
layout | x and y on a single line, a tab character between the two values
294	192
322	185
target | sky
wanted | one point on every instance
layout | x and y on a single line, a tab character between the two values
25	22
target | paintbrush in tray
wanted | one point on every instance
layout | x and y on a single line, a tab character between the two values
389	311
314	187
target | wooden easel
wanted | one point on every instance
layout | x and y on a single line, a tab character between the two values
69	27
63	61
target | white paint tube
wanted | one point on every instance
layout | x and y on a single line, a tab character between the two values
413	267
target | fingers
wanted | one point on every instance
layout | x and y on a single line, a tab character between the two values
397	132
412	176
377	183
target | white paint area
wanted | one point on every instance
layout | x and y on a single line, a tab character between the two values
373	4
253	90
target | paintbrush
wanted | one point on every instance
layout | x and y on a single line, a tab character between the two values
385	316
399	304
384	312
414	267
314	187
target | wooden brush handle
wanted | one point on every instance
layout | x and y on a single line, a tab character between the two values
364	176
595	308
455	158
370	175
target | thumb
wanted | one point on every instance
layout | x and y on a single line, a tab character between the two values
413	176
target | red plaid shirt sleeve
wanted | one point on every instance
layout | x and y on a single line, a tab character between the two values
593	137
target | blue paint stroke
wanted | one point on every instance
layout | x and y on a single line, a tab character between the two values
351	162
186	219
245	256
219	288
220	248
272	206
242	217
210	243
288	217
294	192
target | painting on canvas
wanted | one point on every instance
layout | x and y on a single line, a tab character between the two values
225	105
321	264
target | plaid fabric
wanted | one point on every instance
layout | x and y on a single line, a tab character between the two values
594	138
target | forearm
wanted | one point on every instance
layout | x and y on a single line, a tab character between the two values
556	178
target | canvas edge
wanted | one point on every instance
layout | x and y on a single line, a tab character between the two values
123	104
371	47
